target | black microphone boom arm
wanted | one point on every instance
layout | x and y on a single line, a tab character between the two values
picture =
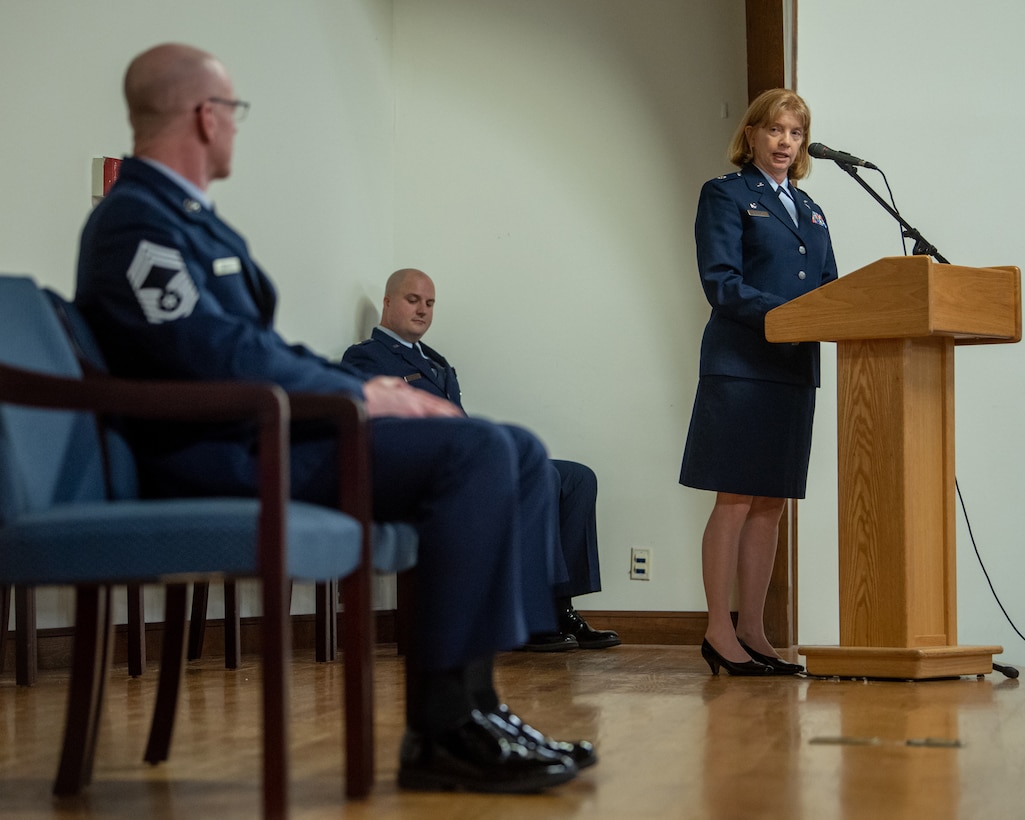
922	247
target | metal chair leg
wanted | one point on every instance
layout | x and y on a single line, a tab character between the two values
232	627
136	631
357	651
6	593
171	661
90	661
26	658
232	623
276	638
197	622
326	624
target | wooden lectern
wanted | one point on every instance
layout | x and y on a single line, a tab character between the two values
896	323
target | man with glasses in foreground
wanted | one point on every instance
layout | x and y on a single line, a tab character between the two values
171	292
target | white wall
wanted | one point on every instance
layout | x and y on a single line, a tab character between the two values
928	92
548	160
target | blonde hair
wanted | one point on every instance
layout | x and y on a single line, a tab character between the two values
764	110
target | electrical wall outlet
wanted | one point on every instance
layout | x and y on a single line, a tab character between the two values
640	563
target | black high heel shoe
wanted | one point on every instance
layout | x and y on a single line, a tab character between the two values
715	660
778	665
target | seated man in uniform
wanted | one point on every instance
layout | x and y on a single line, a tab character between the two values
395	349
171	292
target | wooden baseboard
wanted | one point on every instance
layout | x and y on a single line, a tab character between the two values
684	628
681	628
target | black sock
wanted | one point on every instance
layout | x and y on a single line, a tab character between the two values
437	701
480	682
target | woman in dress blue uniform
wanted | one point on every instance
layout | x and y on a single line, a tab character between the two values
760	243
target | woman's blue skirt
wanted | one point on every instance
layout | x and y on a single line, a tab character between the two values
749	437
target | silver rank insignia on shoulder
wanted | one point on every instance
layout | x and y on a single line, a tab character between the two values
192	206
760	185
161	282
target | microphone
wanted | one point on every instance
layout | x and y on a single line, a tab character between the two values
820	151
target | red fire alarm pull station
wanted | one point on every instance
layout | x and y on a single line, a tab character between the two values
105	171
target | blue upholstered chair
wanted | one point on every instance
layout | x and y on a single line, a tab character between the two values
58	526
395	544
122	482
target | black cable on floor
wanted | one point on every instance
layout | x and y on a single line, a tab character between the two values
1009	671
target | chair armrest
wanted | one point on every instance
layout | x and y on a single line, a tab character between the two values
266	404
143	398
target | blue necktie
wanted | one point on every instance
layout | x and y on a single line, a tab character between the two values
429	360
788	202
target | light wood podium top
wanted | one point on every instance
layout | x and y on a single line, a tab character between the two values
906	297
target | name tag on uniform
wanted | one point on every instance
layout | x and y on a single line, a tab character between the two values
227	266
757	213
413	377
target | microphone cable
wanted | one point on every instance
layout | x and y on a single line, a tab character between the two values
1008	671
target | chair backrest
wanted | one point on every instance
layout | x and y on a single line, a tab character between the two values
46	457
122	476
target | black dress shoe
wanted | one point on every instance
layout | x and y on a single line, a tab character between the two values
550	642
478	756
580	752
779	666
572	624
715	660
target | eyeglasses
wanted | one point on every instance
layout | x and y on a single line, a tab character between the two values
240	108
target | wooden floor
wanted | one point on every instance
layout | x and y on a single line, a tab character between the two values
674	742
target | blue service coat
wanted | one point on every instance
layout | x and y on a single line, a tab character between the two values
752	258
171	291
382	355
